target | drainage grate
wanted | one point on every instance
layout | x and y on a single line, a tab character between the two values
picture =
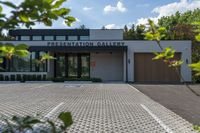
72	86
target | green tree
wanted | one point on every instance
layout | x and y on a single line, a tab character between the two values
82	27
28	13
140	31
129	34
156	33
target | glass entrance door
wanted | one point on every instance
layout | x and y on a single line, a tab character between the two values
60	65
72	65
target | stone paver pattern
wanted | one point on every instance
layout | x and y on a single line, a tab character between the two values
106	108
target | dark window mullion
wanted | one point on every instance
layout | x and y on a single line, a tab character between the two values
79	65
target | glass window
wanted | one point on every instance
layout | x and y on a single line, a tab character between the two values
83	38
60	38
48	38
33	62
72	38
43	65
18	64
36	67
37	38
25	38
17	38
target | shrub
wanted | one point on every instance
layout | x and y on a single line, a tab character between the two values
59	79
12	77
24	78
34	77
44	77
196	79
25	124
97	80
19	77
39	77
6	78
1	77
49	78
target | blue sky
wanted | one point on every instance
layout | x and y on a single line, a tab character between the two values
117	13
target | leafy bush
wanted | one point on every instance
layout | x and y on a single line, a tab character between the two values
19	77
1	77
59	79
196	79
44	77
197	128
6	78
24	78
12	77
34	77
97	80
39	77
30	124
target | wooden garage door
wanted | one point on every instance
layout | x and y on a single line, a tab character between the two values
153	71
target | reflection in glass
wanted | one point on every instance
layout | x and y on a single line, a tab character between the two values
72	66
60	66
85	62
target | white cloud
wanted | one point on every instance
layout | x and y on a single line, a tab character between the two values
118	8
171	8
112	26
87	8
144	21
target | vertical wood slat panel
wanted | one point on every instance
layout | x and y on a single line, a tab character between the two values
154	71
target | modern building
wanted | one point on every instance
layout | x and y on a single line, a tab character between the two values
83	53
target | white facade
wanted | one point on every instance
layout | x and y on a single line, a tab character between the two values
113	65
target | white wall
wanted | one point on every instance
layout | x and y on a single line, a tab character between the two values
150	46
106	34
108	66
138	47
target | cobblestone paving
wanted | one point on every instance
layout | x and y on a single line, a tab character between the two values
105	108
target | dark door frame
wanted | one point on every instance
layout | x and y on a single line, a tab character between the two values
79	64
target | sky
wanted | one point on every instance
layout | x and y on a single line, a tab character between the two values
114	14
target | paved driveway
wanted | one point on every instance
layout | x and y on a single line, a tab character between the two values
177	98
95	107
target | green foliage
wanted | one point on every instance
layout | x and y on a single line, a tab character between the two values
45	57
197	37
155	33
197	128
167	53
96	80
66	118
196	68
134	33
31	11
9	50
1	60
185	18
30	123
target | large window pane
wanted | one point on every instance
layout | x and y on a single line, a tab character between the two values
72	38
37	38
33	62
36	66
43	65
25	38
60	38
85	62
48	38
18	64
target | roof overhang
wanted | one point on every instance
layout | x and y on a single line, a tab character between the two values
79	48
